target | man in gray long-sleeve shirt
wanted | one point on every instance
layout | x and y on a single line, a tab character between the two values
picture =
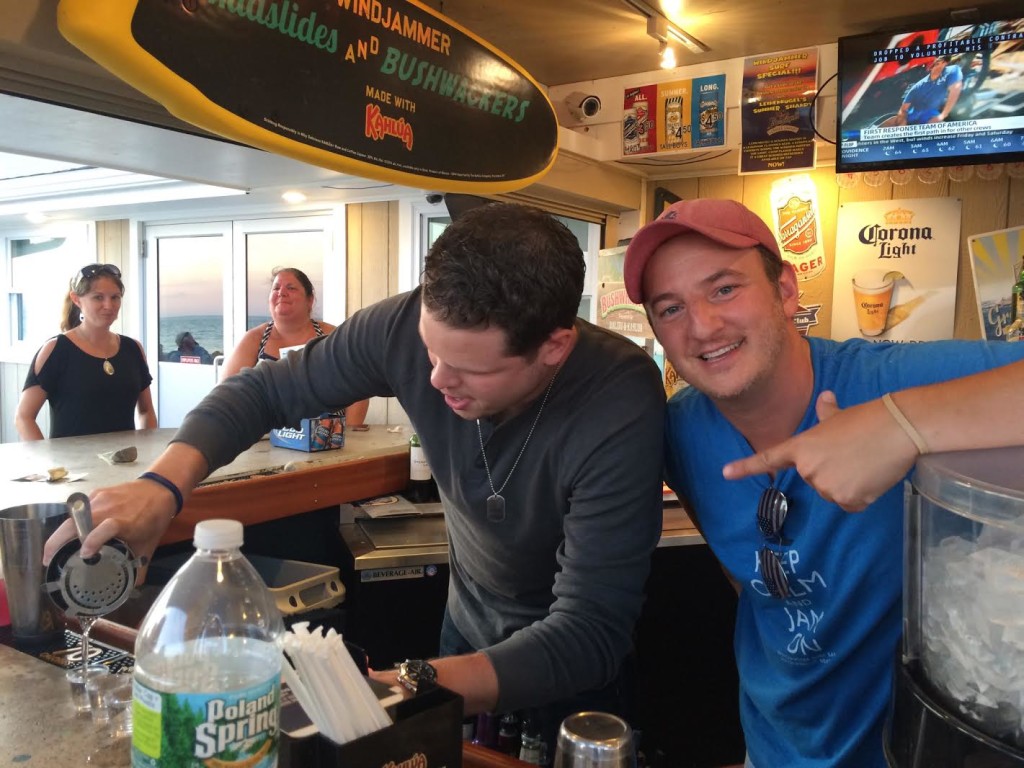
544	434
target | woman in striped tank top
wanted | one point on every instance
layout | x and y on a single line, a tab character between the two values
291	324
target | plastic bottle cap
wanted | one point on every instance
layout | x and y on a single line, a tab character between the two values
218	534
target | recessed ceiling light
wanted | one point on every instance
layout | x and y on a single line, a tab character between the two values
293	196
36	217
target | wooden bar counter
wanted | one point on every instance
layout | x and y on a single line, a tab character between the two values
263	483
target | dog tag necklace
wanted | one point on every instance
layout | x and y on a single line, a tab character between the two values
496	502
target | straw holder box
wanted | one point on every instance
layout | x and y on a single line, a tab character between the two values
427	731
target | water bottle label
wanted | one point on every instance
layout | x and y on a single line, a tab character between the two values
235	730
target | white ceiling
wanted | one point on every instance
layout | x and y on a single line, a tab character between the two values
558	41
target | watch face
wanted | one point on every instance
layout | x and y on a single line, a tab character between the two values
416	674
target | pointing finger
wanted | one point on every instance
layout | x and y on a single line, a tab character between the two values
759	464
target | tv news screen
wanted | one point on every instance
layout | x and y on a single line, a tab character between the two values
927	97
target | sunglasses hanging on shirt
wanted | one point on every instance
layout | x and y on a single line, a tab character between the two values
771	516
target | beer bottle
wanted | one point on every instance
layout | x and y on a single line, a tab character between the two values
1015	330
532	749
486	730
508	734
421	489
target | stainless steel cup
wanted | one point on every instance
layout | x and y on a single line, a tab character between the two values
595	740
23	531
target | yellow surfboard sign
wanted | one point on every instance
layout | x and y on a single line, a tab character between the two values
385	89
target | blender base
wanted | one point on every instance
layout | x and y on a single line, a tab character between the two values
921	733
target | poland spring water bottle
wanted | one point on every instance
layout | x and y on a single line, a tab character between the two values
208	662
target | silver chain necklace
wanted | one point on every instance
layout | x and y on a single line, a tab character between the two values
496	502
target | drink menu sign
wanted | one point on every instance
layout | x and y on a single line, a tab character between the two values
896	265
778	91
672	116
385	89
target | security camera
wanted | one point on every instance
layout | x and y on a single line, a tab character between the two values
434	198
583	106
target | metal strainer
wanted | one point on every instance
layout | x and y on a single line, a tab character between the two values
92	586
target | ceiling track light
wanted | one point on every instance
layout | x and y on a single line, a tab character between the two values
667	56
663	30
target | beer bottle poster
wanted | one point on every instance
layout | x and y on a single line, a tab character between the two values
708	111
638	121
673	116
995	264
776	111
895	272
797	221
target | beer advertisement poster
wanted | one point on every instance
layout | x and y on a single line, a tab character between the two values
796	224
639	136
778	95
895	272
674	116
614	309
995	263
796	218
708	111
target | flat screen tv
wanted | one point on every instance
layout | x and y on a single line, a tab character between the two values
927	97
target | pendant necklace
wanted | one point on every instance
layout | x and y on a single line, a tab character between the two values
108	367
496	502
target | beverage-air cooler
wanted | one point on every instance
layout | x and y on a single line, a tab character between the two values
958	697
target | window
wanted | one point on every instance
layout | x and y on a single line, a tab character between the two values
212	280
429	220
190	289
41	268
265	251
588	235
433	226
314	244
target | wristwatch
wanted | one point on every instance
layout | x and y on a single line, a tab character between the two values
417	675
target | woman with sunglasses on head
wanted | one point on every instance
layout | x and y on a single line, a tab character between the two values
291	324
94	379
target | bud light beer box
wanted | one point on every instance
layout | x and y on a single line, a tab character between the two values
324	433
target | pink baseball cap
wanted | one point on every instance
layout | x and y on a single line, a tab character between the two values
724	221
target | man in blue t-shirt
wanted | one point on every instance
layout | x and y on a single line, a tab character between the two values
819	612
932	98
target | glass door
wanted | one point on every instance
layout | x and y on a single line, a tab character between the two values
209	283
306	243
189	302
